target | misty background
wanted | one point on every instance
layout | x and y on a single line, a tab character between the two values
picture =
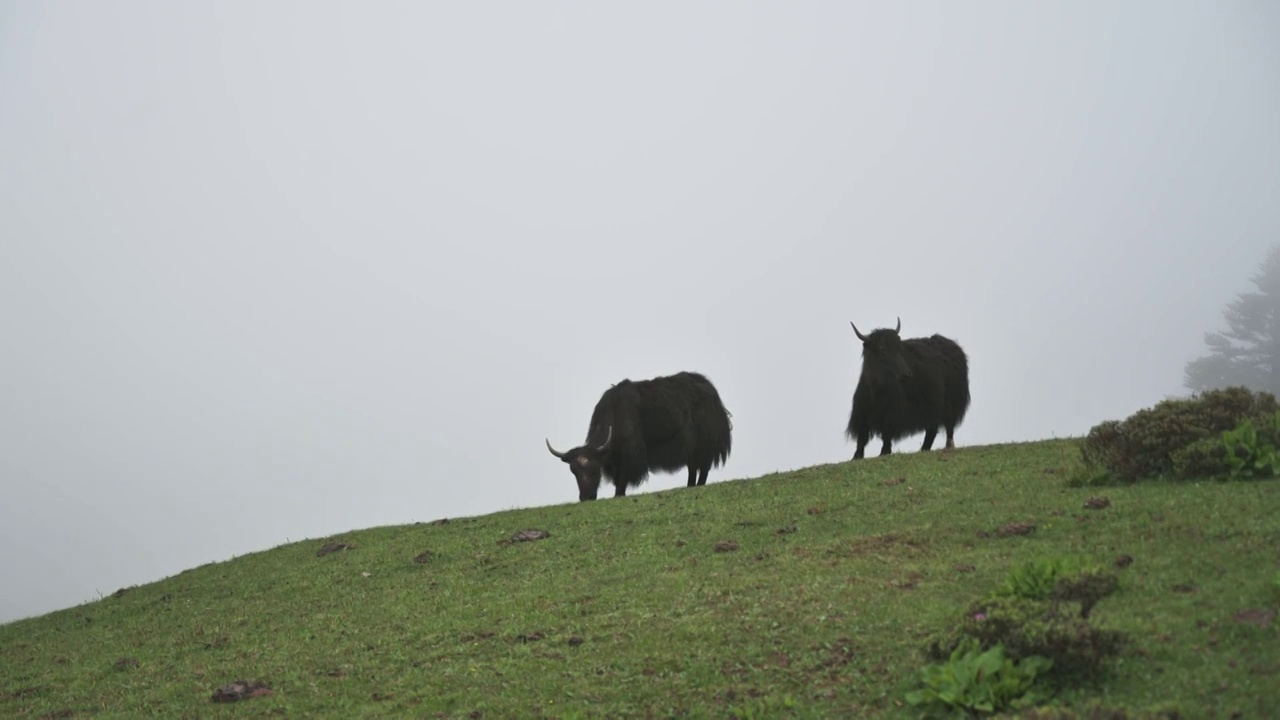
275	271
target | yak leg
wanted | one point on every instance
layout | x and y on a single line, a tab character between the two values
951	438
929	435
863	438
702	475
886	448
693	476
619	490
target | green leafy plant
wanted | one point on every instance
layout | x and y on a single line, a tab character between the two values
1248	452
1034	579
976	682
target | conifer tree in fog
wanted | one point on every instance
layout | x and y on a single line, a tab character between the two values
1248	352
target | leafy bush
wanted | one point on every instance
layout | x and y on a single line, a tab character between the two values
1158	441
974	681
1027	628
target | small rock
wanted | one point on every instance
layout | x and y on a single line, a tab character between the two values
441	521
575	640
726	546
365	574
334	547
681	543
1097	502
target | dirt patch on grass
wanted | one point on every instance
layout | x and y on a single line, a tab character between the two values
963	567
1124	561
240	690
1186	587
877	544
726	546
333	547
474	637
1097	502
1015	529
785	530
909	582
58	714
125	663
838	654
894	481
1258	617
526	536
424	557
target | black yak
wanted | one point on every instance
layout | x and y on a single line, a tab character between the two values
908	386
640	427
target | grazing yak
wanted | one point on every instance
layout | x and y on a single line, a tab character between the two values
640	427
908	386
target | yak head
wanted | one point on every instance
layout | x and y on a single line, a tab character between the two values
586	463
882	357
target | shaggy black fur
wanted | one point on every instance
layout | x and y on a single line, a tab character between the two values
646	426
908	386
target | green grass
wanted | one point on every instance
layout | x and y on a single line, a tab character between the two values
825	620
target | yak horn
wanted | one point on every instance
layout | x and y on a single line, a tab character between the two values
555	452
855	332
607	439
899	328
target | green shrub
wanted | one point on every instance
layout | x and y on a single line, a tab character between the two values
1170	438
1027	628
974	681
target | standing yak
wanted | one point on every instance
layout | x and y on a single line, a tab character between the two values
640	427
908	386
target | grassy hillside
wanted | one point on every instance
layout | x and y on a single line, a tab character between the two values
836	576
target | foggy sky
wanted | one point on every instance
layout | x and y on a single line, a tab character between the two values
274	271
